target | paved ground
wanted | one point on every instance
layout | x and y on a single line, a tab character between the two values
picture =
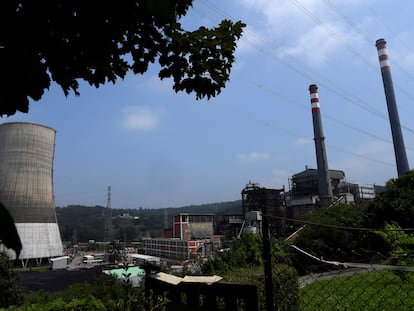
52	281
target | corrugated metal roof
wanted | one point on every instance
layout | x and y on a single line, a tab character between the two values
175	280
167	278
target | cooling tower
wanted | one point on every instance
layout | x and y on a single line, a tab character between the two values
26	187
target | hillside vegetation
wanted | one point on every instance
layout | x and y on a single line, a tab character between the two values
79	223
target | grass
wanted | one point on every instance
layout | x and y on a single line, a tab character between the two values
379	290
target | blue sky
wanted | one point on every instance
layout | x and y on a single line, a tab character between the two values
158	149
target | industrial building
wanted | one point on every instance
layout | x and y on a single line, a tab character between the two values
255	199
303	193
26	188
193	226
173	250
229	226
191	237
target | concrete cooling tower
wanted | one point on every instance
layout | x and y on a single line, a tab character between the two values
26	187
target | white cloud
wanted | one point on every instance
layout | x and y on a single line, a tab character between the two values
140	117
363	170
303	141
309	28
252	157
250	40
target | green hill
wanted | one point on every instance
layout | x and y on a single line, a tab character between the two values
82	223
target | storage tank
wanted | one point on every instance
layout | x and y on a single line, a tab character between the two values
26	187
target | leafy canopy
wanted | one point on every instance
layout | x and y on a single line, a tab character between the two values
396	204
100	41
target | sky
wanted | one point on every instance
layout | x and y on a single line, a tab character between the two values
159	149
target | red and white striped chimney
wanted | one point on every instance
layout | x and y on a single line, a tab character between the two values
383	55
324	180
398	141
314	97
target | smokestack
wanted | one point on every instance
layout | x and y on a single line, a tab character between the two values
324	181
397	138
26	187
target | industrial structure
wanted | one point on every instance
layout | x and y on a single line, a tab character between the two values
399	147
192	236
26	188
193	226
173	250
306	183
257	200
303	192
325	188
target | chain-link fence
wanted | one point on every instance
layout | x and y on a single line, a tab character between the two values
335	285
357	289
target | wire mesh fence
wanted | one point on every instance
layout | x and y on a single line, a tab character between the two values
336	285
357	289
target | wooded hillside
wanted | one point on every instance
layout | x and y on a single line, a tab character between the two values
82	223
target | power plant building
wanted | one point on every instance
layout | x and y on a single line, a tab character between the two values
26	187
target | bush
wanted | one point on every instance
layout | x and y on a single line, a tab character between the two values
112	293
61	305
10	293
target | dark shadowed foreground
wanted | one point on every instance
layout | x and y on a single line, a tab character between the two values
53	281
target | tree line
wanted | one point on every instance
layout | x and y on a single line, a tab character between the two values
79	223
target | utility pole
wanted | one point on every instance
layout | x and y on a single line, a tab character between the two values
267	254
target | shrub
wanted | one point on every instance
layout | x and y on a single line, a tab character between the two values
10	293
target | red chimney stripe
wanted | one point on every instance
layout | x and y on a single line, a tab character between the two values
383	57
381	45
385	69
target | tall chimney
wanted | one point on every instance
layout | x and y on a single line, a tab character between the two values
324	181
397	138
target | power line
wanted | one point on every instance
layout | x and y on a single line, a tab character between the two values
311	223
330	85
306	107
296	135
332	33
370	40
393	33
283	53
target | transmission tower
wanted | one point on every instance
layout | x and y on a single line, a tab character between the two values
108	218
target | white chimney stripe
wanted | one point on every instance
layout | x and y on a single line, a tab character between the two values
382	52
313	95
315	105
384	63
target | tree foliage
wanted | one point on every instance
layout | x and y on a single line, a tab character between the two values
340	239
395	204
100	41
244	264
401	248
104	293
335	243
10	293
82	223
